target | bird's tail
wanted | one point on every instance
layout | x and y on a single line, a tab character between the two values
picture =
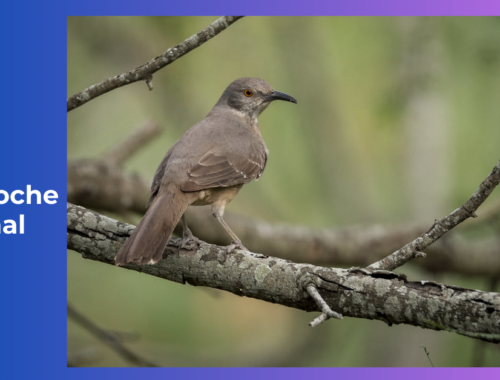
148	241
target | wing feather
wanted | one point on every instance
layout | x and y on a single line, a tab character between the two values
223	170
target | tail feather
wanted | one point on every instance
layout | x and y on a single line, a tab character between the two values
148	241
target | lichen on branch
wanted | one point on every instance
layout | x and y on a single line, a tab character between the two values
379	295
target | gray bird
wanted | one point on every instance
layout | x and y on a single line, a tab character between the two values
207	166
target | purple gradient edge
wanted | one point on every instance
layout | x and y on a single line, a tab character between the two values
294	8
49	15
300	8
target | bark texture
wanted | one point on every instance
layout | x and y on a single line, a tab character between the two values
380	295
146	71
98	185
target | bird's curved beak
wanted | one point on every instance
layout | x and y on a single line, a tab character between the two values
276	95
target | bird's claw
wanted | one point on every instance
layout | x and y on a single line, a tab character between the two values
187	239
235	245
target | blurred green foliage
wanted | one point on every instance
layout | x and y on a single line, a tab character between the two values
341	156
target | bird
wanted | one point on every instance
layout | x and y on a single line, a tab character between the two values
208	165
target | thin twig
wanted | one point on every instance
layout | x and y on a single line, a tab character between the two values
490	214
135	141
110	339
427	353
146	71
326	312
439	228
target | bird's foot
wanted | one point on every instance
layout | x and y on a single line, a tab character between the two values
189	240
230	249
235	245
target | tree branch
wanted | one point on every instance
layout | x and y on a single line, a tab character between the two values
146	71
326	312
380	295
439	228
134	142
96	185
101	186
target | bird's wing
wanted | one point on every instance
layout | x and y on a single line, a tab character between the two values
216	169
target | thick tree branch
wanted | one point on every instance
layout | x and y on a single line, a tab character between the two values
146	71
380	295
96	185
102	183
101	186
439	228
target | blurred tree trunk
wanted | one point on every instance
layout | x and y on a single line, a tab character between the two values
425	124
425	118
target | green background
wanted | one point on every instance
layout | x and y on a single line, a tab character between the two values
398	121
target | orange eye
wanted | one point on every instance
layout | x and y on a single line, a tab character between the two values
248	93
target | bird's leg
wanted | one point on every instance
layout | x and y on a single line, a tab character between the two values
236	243
187	235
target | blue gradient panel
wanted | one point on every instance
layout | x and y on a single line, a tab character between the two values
33	152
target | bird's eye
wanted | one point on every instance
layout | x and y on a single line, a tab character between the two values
248	93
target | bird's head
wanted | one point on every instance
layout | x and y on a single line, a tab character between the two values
251	96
